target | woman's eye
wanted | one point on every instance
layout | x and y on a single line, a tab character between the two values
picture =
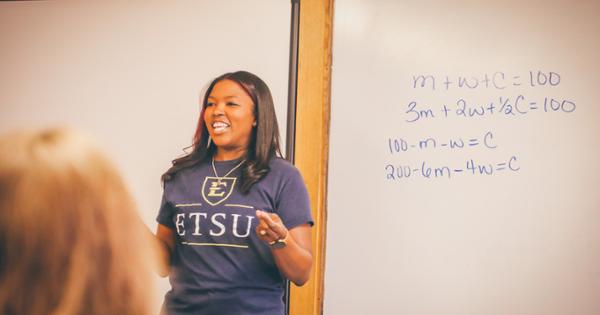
232	104
208	104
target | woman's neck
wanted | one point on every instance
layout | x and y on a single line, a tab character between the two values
228	155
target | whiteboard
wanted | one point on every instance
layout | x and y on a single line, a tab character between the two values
132	74
463	167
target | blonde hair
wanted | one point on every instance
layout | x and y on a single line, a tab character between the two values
70	238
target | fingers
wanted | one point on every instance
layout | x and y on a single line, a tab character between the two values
270	228
266	234
266	217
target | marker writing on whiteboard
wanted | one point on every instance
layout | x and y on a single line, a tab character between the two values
501	106
400	145
497	80
470	167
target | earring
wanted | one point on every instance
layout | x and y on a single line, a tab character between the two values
208	143
254	124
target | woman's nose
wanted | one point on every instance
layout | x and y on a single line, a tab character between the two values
218	109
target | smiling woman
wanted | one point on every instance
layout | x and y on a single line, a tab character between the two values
229	117
232	183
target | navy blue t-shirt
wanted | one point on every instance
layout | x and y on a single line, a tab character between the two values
219	265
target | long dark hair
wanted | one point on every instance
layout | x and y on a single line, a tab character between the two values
264	142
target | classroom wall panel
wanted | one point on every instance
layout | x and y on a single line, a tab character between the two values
131	74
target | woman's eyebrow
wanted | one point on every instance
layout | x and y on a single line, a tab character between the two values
224	97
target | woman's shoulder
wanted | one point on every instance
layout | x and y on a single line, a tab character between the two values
283	170
278	164
183	175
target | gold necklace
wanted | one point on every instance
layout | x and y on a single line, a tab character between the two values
230	171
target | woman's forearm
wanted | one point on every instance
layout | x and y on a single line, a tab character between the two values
164	242
295	259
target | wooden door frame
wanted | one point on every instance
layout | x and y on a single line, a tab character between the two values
311	150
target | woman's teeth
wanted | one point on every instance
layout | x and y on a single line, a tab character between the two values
219	126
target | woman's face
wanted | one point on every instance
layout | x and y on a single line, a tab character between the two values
229	116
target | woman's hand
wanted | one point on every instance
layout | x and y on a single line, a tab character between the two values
270	227
294	259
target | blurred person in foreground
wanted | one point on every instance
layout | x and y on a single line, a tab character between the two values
71	241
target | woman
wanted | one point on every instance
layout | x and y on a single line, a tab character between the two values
235	217
71	242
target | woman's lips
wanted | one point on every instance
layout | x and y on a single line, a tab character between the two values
220	127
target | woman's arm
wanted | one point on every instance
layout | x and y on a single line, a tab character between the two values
294	260
165	242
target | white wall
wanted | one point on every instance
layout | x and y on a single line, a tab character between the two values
513	242
131	73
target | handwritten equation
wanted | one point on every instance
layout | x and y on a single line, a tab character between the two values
399	145
471	167
507	95
497	80
504	106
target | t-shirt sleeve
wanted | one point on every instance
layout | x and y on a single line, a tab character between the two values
165	213
293	204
